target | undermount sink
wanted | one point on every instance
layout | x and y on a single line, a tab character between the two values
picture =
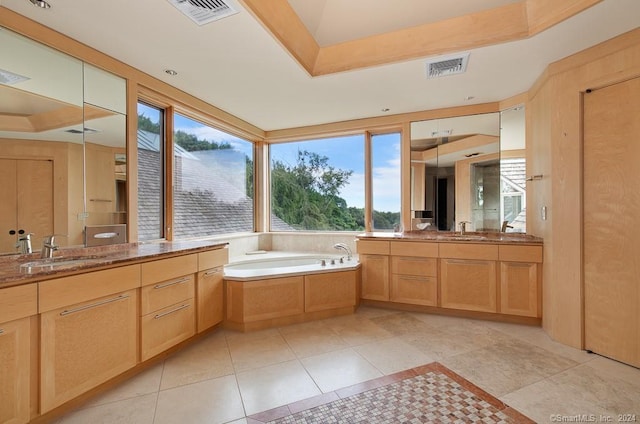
60	262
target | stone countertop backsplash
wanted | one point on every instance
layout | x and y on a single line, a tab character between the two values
454	237
83	259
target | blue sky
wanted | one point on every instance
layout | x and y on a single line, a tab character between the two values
345	153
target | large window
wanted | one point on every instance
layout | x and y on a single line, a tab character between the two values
151	179
385	164
212	181
318	185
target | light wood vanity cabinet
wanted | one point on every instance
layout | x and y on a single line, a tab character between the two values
414	273
210	288
520	285
18	306
374	257
167	303
88	331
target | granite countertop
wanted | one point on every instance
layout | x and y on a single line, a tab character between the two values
15	269
454	237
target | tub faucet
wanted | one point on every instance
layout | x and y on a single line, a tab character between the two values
48	247
342	246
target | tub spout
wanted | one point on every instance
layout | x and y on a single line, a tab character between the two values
342	246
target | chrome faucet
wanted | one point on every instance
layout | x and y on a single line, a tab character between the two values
463	227
342	246
48	247
505	225
24	243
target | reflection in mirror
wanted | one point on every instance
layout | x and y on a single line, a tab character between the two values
455	173
41	126
105	147
513	170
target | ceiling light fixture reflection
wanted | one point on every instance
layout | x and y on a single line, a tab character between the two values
41	4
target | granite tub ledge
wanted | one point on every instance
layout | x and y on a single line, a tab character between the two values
455	237
85	259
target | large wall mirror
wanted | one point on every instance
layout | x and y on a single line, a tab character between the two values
455	170
469	168
56	110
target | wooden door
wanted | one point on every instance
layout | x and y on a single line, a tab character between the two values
611	227
26	192
210	298
519	287
15	371
8	205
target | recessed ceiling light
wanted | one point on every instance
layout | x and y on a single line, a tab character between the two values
40	3
469	98
385	109
171	72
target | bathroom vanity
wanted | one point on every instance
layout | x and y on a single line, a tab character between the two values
483	275
70	324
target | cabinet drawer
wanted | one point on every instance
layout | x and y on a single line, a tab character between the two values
213	258
166	328
407	248
65	291
414	290
521	253
166	293
488	252
372	247
18	302
165	269
414	266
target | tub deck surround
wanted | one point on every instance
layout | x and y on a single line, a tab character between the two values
454	237
12	273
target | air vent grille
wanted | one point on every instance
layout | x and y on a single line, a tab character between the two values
10	78
205	11
447	65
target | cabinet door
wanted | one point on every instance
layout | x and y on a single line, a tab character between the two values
414	290
329	291
519	289
86	344
210	298
375	277
468	284
15	371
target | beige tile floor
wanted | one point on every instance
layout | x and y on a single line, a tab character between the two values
228	375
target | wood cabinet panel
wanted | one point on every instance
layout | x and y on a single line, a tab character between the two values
519	287
59	292
265	299
86	344
329	291
15	371
414	266
372	247
375	277
468	284
166	327
166	293
520	253
166	269
18	302
485	251
415	290
213	259
210	298
407	248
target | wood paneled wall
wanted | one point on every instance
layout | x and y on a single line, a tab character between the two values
554	137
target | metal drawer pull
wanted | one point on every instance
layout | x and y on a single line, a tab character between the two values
212	272
469	261
415	277
171	311
93	305
520	264
172	283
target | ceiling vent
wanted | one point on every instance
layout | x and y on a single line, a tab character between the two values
447	65
205	11
10	78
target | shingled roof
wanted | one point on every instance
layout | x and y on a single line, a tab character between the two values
209	194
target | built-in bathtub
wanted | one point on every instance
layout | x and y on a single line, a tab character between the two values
280	288
259	265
